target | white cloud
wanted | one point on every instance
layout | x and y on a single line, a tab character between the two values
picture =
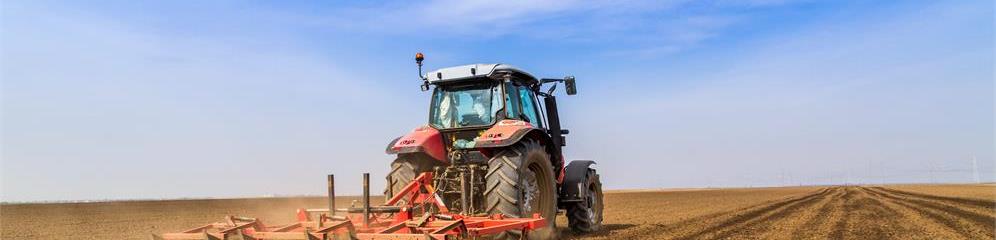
643	27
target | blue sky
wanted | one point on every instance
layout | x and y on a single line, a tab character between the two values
125	99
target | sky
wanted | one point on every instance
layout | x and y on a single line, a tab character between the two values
106	100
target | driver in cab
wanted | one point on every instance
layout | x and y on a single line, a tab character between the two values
477	113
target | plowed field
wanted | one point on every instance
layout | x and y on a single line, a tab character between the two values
840	212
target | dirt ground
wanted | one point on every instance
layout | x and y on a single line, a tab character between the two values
976	191
838	212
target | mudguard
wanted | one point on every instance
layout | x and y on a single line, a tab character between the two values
511	131
423	139
577	173
504	133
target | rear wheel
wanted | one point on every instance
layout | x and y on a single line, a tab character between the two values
520	183
404	169
586	216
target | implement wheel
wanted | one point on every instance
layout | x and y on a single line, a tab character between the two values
520	182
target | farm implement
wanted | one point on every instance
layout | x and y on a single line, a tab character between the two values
489	162
397	219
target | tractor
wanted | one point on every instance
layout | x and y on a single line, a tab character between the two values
494	143
489	164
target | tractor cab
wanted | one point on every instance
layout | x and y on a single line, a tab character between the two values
470	99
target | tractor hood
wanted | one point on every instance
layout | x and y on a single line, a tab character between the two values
452	74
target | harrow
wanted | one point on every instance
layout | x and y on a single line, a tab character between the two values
415	212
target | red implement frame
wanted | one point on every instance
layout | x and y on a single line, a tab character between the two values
432	221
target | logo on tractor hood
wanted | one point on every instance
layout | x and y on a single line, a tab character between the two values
502	131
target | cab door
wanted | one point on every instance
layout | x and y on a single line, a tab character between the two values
522	105
530	107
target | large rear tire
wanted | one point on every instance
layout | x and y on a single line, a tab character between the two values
404	169
520	182
586	216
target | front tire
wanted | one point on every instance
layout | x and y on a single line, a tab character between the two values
520	182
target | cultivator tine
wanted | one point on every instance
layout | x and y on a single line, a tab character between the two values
238	227
338	236
330	232
451	226
393	228
208	236
238	236
350	231
417	224
288	227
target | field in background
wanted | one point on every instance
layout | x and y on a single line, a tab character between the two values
840	212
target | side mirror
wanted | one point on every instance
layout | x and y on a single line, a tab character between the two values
572	89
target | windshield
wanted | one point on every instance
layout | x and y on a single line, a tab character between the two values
465	105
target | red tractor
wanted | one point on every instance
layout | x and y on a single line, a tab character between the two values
488	164
493	144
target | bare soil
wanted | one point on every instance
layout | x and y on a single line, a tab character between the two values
837	212
975	191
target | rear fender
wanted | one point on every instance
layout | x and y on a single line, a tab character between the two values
423	139
575	180
510	131
503	134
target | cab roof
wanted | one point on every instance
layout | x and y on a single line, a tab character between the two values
472	71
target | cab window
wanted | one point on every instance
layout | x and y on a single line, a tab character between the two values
529	110
512	110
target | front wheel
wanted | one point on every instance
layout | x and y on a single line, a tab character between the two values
520	183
